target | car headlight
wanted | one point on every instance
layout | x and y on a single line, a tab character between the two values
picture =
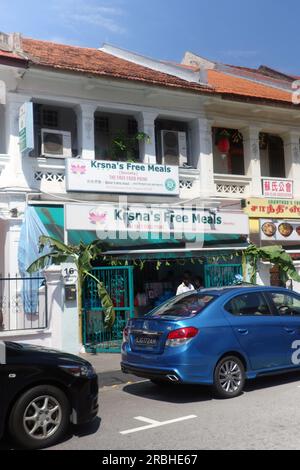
79	371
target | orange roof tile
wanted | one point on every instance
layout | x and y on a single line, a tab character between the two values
98	63
228	84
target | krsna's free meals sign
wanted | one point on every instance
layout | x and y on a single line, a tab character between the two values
121	177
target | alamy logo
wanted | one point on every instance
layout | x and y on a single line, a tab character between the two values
2	353
296	353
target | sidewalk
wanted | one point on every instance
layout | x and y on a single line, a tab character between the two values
107	366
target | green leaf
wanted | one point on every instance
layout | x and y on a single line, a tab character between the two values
53	243
46	260
107	305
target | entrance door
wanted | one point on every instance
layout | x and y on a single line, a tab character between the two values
118	282
219	275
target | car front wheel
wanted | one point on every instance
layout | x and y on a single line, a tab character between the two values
229	377
40	417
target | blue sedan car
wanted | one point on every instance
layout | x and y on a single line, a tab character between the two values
218	337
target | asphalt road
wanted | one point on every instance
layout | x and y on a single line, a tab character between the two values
266	416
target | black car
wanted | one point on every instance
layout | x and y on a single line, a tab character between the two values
42	391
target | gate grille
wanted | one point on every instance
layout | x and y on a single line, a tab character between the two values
118	282
221	275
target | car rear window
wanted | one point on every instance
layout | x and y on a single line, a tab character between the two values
186	305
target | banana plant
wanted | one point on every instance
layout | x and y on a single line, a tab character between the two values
276	255
82	256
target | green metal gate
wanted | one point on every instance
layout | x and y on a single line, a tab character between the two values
221	274
119	284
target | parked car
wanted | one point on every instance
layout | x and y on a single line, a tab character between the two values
42	391
219	337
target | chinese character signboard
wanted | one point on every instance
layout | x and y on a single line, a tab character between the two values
279	230
26	134
279	208
121	177
278	188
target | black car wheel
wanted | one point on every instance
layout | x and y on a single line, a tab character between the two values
229	377
40	417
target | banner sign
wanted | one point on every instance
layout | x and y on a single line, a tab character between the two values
279	230
114	220
278	208
277	188
26	131
121	177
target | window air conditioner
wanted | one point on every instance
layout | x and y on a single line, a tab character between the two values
174	148
56	144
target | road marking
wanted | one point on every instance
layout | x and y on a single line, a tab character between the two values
155	424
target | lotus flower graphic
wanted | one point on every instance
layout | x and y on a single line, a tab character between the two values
97	217
77	168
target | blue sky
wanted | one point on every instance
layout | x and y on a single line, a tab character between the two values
241	32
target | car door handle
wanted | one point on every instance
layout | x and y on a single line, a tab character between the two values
290	330
243	331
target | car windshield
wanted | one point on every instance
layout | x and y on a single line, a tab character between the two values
186	305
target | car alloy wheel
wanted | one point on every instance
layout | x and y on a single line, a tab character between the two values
42	417
229	377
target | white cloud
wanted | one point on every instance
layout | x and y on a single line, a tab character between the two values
75	13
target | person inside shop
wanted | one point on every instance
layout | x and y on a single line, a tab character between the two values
198	283
186	284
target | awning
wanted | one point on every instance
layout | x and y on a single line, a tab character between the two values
52	216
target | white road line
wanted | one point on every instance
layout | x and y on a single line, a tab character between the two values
155	424
147	420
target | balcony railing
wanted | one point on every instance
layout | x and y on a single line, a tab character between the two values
232	186
189	183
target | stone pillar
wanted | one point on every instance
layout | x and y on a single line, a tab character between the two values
202	152
13	229
62	315
86	130
252	158
292	159
146	123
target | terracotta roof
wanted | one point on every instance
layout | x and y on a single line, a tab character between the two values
228	84
8	57
96	62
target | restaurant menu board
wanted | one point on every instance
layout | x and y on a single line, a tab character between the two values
280	230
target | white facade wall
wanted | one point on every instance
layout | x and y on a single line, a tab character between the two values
84	96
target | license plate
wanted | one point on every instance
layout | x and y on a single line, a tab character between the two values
145	341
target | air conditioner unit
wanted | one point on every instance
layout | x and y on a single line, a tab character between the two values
56	144
174	148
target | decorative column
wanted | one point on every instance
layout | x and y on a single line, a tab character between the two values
86	130
202	151
292	158
146	123
252	158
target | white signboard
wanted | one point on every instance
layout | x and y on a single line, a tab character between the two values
121	177
26	133
278	188
69	273
140	220
280	230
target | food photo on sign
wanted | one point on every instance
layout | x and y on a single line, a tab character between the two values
288	230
